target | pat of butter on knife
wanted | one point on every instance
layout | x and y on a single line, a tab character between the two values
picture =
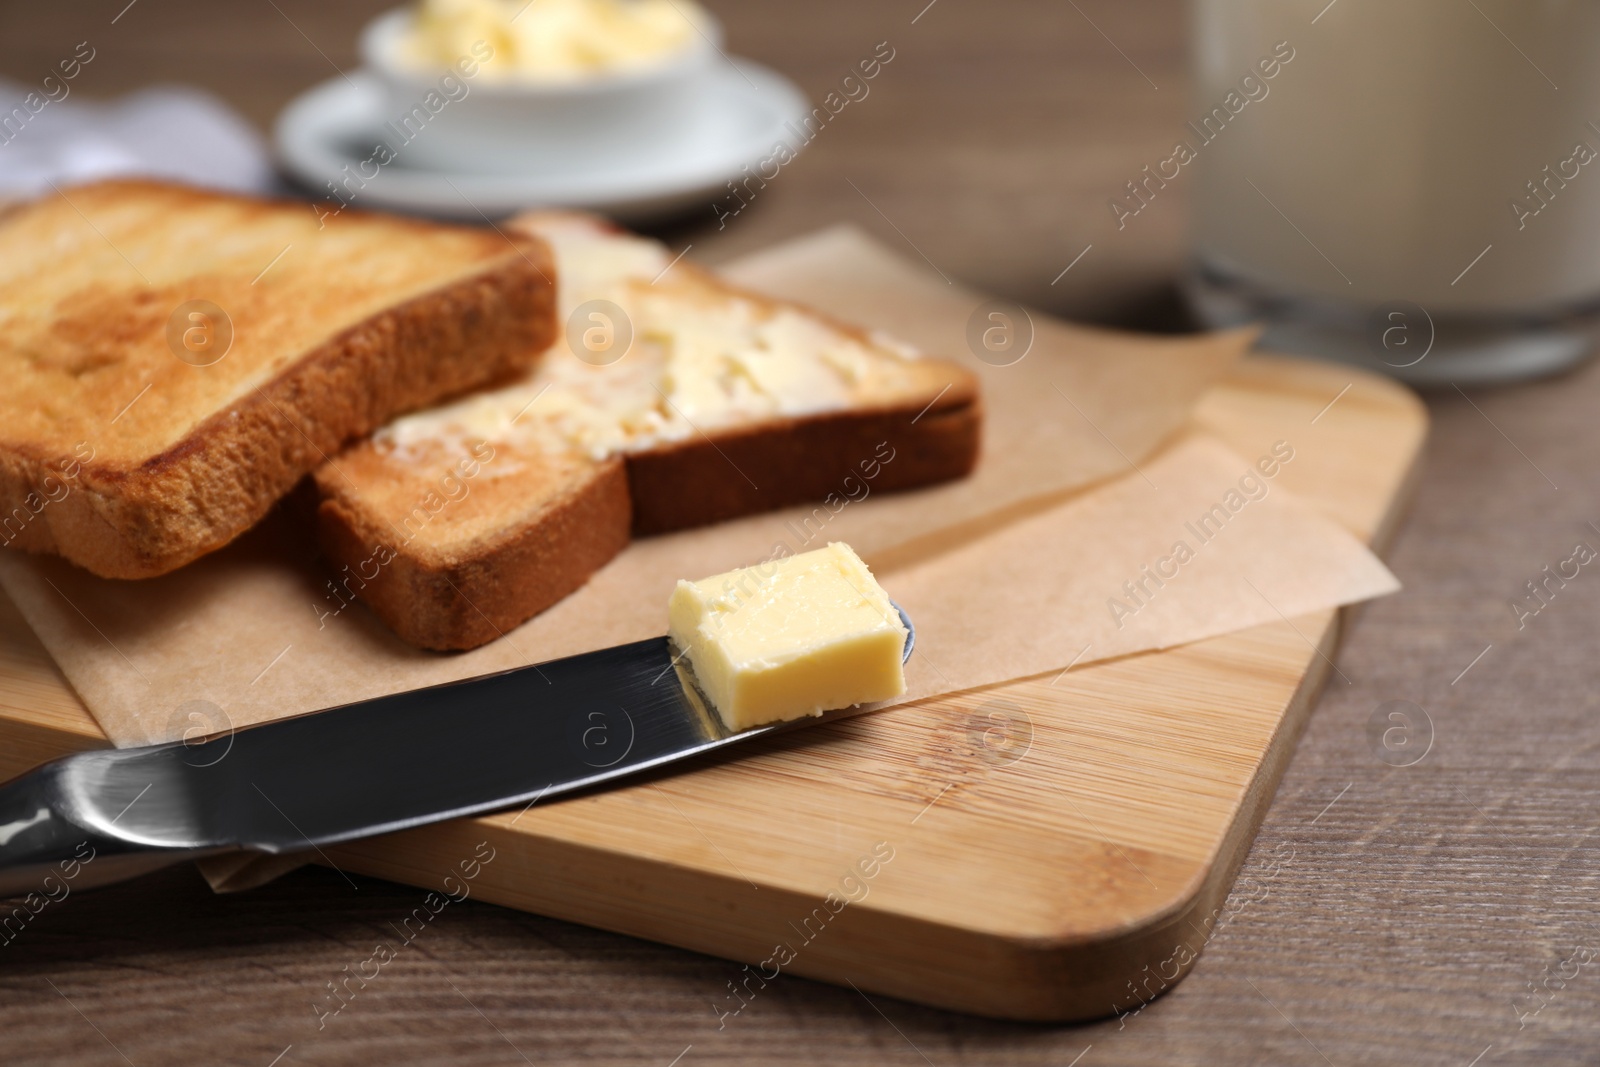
790	637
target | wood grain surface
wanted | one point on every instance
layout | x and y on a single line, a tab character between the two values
1078	832
1387	914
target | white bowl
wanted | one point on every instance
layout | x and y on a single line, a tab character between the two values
507	125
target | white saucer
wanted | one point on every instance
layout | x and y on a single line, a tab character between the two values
741	121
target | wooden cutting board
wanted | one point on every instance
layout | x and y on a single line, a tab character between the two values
1049	849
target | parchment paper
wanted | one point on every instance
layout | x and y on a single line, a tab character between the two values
1153	560
1006	574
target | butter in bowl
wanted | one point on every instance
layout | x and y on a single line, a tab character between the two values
476	108
518	84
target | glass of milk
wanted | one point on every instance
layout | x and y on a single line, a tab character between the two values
1412	186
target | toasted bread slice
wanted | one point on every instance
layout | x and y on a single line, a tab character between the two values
725	403
175	360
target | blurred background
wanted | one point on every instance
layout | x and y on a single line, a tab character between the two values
991	143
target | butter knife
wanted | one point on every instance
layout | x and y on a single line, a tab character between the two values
373	767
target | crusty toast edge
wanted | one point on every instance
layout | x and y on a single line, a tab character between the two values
134	522
451	602
826	458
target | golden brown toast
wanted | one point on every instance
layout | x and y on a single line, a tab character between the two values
488	510
175	359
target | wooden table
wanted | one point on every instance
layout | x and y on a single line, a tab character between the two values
1387	914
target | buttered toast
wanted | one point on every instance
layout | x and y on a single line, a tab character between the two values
175	359
674	400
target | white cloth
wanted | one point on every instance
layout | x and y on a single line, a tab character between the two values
166	131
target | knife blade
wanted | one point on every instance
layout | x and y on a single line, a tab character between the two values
373	767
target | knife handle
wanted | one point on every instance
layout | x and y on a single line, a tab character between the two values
46	850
